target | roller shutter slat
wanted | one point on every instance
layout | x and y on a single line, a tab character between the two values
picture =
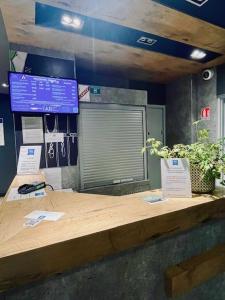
111	142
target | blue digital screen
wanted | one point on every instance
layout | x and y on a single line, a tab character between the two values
39	94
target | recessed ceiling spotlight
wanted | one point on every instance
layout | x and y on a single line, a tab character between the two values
198	54
74	22
66	20
5	85
77	22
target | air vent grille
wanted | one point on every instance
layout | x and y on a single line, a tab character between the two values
146	40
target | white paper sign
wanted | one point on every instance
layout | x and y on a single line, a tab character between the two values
14	195
47	215
84	93
53	176
176	180
2	138
33	222
29	160
54	137
32	129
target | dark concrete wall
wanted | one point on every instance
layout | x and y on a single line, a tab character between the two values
206	95
221	80
7	152
185	98
90	77
137	274
4	55
156	92
179	98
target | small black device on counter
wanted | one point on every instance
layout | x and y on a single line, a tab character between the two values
29	188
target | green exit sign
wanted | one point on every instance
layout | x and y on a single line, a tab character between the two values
95	90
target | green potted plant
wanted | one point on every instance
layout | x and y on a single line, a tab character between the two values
207	159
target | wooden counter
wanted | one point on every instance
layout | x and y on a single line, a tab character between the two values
93	227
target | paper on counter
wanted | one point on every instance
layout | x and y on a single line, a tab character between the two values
14	195
2	138
53	176
32	129
29	160
47	215
33	222
153	199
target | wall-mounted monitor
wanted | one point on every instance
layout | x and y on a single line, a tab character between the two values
40	94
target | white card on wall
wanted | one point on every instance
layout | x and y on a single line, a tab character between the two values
32	129
2	137
29	160
84	93
54	137
176	180
53	176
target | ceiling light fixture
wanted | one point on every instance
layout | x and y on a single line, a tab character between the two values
5	85
66	20
74	22
77	22
198	54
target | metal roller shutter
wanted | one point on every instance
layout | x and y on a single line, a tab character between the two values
110	145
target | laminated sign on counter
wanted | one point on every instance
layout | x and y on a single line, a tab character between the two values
176	179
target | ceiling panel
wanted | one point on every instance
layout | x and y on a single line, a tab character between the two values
142	15
50	17
150	17
208	10
99	55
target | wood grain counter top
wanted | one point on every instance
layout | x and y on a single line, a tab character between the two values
94	226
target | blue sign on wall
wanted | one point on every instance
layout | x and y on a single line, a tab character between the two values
95	90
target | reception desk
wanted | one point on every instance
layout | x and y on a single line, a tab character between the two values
93	227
